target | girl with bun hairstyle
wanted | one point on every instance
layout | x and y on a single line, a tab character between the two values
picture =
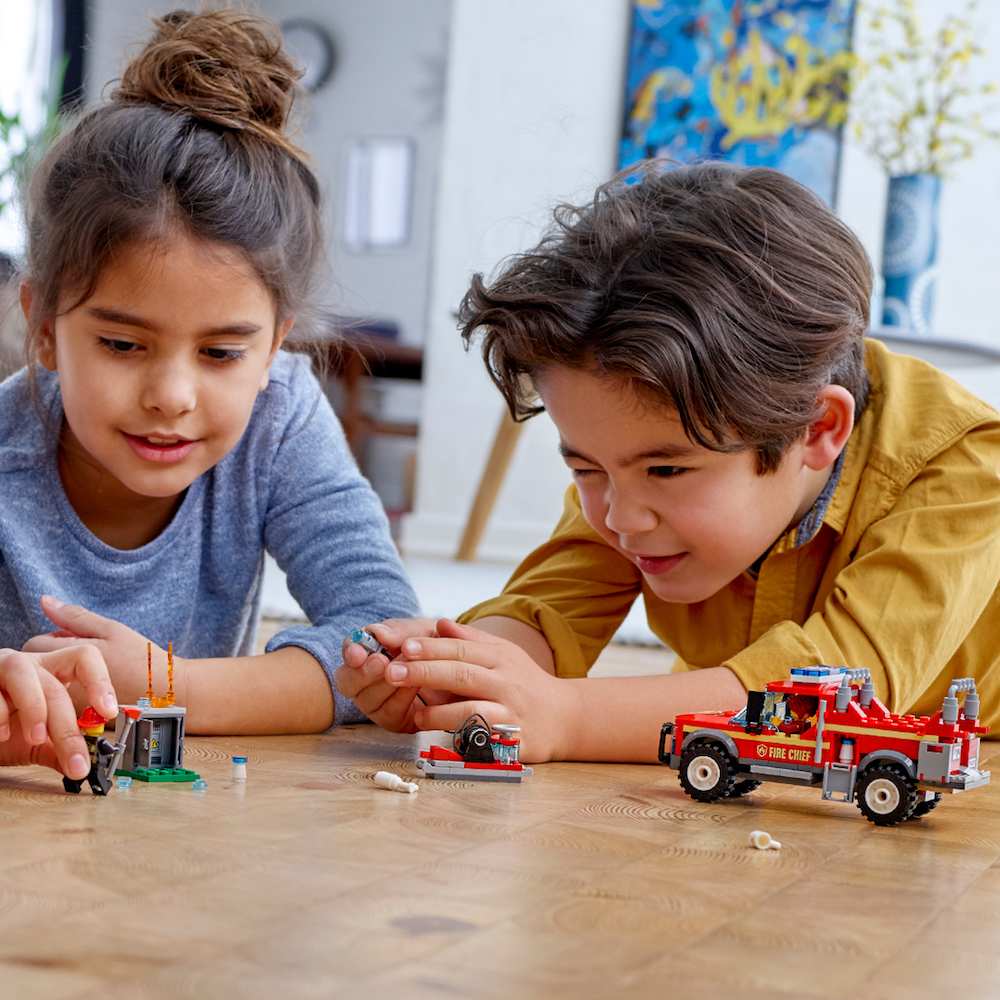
159	440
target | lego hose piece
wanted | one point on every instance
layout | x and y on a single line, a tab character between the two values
386	779
762	840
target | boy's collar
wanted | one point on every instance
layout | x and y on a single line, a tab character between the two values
807	529
813	520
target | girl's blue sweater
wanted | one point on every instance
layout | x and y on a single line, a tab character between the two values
290	486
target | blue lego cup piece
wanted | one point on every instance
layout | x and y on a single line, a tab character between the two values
239	760
144	703
124	781
199	784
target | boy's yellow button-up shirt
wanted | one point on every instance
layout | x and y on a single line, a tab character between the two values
902	577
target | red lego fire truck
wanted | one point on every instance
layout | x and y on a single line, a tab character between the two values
818	728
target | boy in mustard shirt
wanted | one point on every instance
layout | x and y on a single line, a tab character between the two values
781	491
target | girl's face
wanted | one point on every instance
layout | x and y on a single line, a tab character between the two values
691	519
160	367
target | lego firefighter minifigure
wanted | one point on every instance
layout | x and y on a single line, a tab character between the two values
104	755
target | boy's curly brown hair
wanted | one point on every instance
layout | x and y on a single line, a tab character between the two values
730	294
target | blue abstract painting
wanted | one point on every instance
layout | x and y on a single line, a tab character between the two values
757	83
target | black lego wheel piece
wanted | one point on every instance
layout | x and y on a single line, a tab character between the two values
886	795
923	808
707	773
744	787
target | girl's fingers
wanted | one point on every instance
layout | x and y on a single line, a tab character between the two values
84	664
20	680
4	719
393	631
76	620
69	745
47	757
49	643
395	713
452	715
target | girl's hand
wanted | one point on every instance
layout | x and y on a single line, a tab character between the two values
123	649
37	718
496	678
361	676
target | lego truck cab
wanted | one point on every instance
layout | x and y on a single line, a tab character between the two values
819	728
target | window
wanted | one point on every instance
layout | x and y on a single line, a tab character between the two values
28	74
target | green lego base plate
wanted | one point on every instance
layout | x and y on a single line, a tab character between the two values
154	774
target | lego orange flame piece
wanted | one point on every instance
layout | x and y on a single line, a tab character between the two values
168	699
149	669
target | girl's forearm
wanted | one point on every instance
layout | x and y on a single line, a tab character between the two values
619	718
285	691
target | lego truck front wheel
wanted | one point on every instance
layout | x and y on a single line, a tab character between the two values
707	773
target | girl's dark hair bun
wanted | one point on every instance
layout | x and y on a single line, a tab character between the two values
225	67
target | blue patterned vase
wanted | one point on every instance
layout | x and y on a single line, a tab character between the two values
909	253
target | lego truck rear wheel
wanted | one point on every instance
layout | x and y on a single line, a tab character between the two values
886	795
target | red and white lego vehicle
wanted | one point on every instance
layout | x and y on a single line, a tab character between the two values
482	753
820	729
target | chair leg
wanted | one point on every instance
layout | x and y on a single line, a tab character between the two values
489	486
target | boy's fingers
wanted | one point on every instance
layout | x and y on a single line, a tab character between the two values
457	676
452	630
481	653
452	715
21	681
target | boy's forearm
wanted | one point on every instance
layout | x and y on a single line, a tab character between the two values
285	691
619	718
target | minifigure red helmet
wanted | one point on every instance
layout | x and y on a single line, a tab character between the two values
90	718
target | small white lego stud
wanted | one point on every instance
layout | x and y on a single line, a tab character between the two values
386	779
762	840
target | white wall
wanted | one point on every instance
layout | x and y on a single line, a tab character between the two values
970	202
388	81
533	115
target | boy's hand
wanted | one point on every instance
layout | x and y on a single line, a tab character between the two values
37	717
362	676
494	677
123	649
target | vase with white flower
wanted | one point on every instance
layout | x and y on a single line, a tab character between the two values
917	111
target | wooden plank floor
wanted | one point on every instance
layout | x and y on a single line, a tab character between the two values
307	881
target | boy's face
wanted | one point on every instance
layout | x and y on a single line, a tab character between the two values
691	519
